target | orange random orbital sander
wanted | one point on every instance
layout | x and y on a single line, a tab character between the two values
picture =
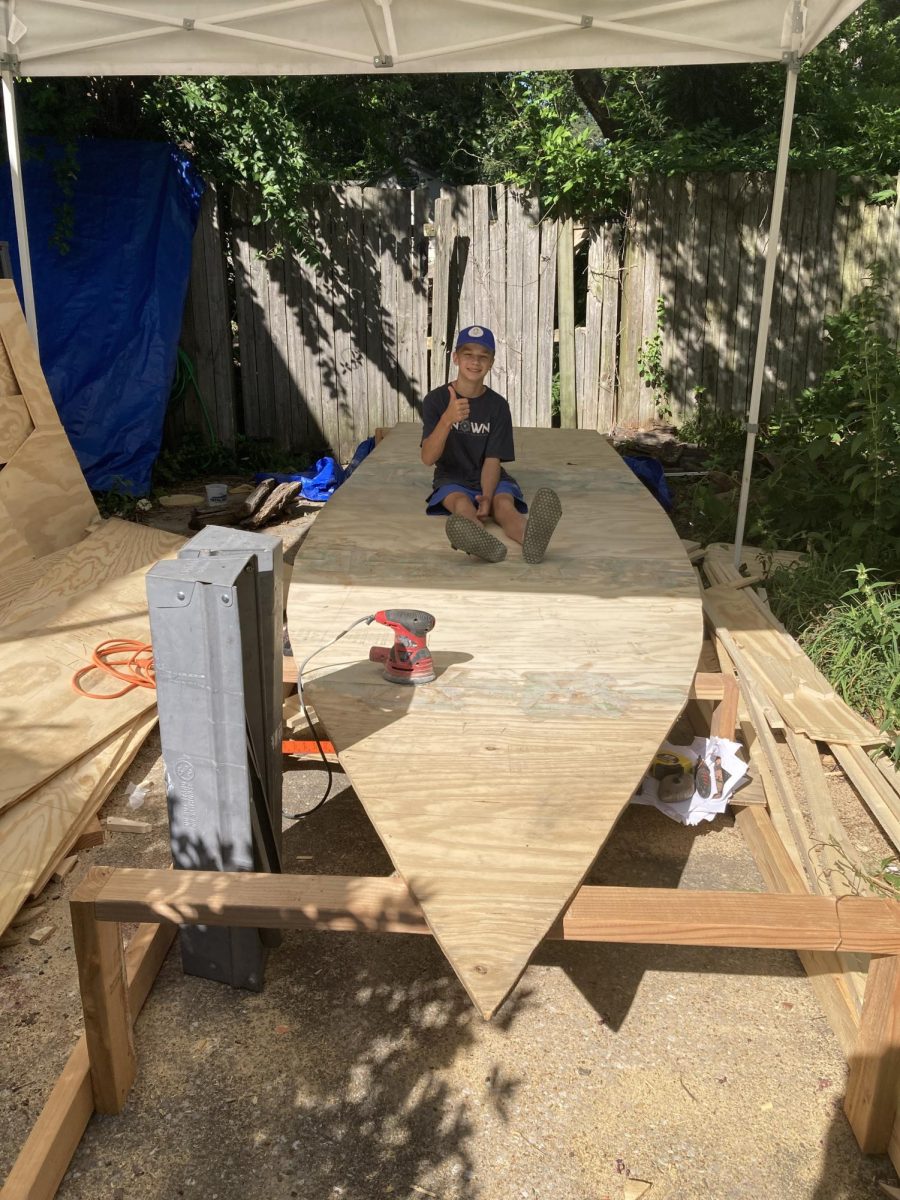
409	659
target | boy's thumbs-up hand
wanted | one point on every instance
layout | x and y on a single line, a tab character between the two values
457	409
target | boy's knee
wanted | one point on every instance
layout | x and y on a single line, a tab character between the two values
502	502
458	502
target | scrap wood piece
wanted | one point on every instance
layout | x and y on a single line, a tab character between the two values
92	835
44	1158
181	500
801	693
65	868
273	505
635	1189
126	825
39	833
719	561
252	503
38	936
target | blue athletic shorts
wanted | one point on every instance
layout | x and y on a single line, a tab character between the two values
435	507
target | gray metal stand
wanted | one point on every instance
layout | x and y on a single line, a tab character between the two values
216	627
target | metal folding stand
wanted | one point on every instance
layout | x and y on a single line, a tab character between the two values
216	626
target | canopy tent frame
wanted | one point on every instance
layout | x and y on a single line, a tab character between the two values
795	40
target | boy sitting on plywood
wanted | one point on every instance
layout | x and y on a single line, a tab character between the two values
467	436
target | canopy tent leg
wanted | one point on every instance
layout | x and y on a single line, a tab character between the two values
765	308
15	168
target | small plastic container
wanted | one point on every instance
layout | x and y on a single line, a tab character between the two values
216	494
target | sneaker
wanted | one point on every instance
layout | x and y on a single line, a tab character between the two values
474	539
543	518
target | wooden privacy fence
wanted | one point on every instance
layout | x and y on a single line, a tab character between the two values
321	351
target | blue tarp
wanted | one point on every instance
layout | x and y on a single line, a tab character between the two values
651	474
109	311
322	481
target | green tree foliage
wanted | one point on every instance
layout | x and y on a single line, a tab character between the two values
579	137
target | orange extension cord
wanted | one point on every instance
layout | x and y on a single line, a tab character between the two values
135	669
124	659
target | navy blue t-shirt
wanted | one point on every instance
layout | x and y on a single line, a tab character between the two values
486	434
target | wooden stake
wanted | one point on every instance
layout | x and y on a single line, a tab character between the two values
871	1100
43	1160
104	997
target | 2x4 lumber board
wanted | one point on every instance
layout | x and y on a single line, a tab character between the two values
803	696
824	968
45	1156
833	847
104	998
875	790
870	1102
662	916
783	803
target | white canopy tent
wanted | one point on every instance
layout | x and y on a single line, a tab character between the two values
317	37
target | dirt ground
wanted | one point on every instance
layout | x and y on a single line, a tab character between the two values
362	1070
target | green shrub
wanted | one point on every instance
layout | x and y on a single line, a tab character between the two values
195	458
835	451
852	635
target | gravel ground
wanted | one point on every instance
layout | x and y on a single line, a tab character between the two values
362	1070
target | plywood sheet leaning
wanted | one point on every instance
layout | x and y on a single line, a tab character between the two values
45	503
494	787
44	723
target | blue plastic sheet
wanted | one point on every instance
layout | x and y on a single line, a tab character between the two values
322	481
653	477
317	484
109	311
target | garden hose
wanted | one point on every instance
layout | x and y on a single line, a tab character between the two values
185	375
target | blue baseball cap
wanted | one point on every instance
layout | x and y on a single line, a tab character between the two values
476	335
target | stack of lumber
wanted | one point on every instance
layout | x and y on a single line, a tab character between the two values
68	582
785	696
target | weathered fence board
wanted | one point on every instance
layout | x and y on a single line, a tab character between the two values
206	332
329	349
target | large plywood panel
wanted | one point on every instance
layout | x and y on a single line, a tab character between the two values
35	834
15	426
111	549
45	503
44	723
43	490
494	787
